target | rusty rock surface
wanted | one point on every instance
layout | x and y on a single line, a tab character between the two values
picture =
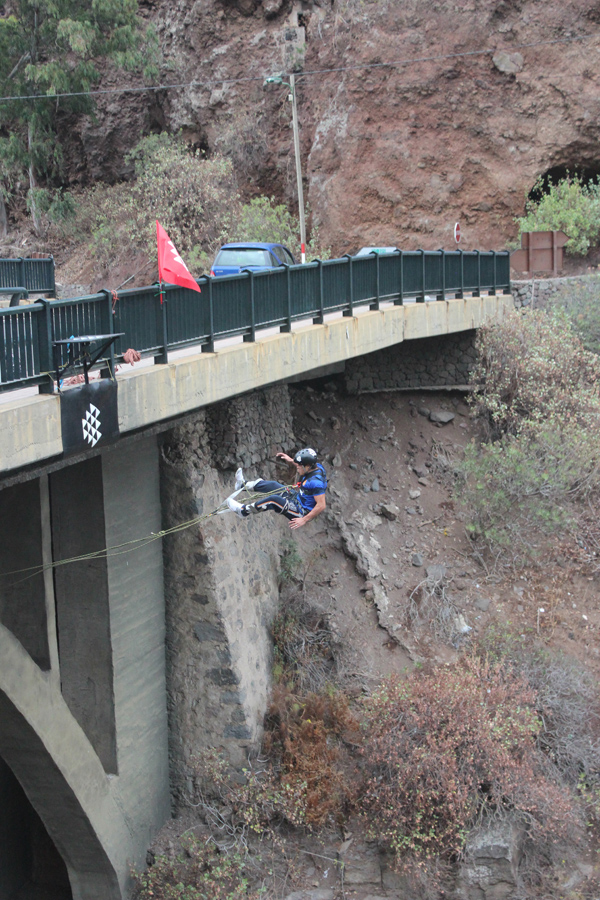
487	96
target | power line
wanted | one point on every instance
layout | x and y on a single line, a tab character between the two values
309	74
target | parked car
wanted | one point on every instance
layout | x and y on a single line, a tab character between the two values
365	251
234	258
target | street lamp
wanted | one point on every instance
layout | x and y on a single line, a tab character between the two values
291	84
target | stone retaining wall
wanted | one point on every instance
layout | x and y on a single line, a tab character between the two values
250	429
221	580
444	360
536	292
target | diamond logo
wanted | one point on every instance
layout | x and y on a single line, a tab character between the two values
91	425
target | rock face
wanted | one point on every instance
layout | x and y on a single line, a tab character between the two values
482	99
493	853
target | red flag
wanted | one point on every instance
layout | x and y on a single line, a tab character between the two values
171	267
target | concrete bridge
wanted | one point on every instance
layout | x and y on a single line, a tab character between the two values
88	769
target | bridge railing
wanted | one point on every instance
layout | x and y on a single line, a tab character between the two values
35	275
237	305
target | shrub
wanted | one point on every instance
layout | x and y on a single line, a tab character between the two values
290	562
580	301
518	488
431	604
309	720
262	219
442	749
532	368
567	701
194	197
303	656
570	206
538	396
255	802
202	872
305	781
304	736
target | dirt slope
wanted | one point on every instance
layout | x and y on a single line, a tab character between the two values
385	441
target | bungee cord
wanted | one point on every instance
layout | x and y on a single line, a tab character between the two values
136	543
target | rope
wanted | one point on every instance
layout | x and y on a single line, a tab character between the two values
136	543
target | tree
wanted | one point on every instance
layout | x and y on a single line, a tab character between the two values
262	219
50	47
570	205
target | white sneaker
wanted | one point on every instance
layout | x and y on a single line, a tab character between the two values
237	508
239	479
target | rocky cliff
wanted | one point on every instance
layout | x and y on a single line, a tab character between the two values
484	96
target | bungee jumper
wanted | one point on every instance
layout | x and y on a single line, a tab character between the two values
299	503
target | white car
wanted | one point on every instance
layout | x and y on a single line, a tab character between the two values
365	251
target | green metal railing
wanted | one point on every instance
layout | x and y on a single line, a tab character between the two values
237	305
35	275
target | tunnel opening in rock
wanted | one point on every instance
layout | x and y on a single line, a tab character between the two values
589	173
31	868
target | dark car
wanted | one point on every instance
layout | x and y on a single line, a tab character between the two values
235	258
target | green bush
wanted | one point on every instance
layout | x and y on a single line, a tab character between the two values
194	197
532	369
518	487
265	220
570	206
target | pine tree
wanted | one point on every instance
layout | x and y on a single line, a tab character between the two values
50	47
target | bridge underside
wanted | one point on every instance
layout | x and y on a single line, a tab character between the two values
30	430
83	733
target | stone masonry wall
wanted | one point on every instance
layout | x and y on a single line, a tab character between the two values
221	579
444	360
249	429
536	292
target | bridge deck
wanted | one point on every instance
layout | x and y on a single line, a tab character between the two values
30	429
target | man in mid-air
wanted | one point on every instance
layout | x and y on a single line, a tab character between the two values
299	503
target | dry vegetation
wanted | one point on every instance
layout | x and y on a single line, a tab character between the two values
508	732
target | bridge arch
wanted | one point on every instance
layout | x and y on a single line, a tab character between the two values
61	776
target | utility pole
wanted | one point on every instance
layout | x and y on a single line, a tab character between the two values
298	169
291	84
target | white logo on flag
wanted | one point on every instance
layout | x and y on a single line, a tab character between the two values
176	257
91	425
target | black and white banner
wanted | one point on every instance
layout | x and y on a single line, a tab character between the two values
89	415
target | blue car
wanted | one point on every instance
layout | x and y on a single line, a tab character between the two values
235	258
